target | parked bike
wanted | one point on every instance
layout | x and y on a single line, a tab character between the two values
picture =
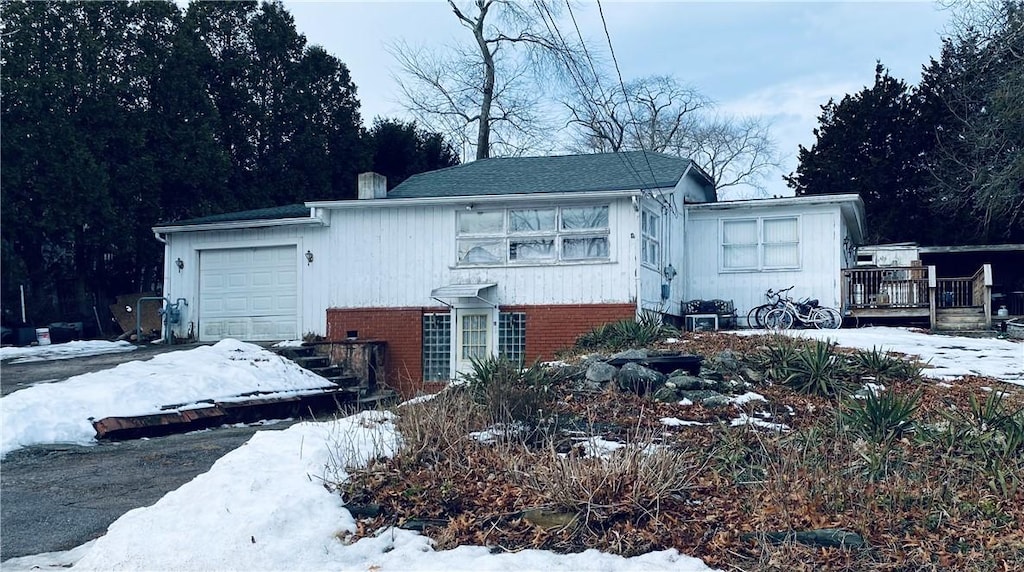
782	313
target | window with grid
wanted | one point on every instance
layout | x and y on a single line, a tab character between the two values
474	336
532	236
761	244
650	234
512	336
437	346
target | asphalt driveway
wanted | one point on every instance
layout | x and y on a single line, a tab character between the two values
56	497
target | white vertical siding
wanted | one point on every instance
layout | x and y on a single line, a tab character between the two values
188	245
821	257
394	257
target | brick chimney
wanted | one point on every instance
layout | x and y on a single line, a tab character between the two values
372	186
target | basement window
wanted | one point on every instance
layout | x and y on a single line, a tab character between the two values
437	347
512	336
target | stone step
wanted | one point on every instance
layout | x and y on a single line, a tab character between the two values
294	353
313	362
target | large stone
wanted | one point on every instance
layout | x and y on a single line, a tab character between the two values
726	361
689	382
601	372
632	355
827	537
705	397
666	394
639	379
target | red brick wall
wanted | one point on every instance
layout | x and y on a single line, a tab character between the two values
549	328
401	328
555	327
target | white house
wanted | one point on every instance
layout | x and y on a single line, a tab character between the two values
516	256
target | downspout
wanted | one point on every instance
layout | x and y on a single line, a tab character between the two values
166	282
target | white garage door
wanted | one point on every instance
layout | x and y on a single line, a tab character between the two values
248	294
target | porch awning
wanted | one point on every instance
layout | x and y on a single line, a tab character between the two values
449	291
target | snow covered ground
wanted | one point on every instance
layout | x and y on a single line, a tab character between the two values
64	351
61	412
264	506
948	357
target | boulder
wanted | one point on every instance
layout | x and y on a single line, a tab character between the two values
639	379
827	537
631	355
705	397
689	382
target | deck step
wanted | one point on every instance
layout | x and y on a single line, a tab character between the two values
313	362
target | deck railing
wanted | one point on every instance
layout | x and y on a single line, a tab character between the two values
955	292
899	287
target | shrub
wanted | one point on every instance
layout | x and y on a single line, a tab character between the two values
882	418
885	365
509	392
646	330
814	369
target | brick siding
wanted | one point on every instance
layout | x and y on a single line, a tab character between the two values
549	328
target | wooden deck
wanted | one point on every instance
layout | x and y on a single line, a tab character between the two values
913	292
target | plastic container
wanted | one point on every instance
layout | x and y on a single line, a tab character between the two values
43	336
1002	312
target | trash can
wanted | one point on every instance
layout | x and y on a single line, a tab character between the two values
43	336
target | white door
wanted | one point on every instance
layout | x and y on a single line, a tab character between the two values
474	338
248	294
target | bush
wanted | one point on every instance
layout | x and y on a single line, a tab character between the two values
814	369
884	365
509	392
883	418
646	330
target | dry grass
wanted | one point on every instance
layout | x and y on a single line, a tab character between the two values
948	495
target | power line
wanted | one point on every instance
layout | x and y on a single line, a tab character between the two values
626	96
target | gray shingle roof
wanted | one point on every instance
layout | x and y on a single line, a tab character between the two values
558	174
287	211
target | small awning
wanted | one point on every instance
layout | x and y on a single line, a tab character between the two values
449	291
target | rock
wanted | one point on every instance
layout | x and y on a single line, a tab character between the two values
726	361
639	379
633	355
688	382
600	372
666	394
827	537
705	397
549	519
752	375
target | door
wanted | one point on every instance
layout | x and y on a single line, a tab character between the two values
248	294
474	338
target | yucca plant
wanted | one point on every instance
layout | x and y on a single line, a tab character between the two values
509	391
882	418
646	330
778	357
884	365
818	370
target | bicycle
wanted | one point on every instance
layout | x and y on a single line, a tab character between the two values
756	316
806	313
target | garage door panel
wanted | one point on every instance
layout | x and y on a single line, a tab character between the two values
248	293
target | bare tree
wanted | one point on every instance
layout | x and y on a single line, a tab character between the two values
651	113
490	88
732	150
659	114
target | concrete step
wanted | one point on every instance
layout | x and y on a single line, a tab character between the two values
313	362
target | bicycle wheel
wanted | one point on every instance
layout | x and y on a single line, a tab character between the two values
826	318
778	319
755	318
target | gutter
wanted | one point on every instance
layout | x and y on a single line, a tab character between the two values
476	199
237	224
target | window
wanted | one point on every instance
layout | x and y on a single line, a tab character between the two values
437	346
532	236
474	336
512	335
650	234
761	244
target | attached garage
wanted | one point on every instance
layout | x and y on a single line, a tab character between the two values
248	293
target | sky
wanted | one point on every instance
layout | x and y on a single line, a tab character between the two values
778	60
265	506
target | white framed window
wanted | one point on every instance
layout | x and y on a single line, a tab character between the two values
650	238
532	236
756	244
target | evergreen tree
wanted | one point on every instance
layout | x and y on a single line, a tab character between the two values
401	149
872	143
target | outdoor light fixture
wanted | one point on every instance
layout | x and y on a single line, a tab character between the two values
180	264
669	272
309	257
